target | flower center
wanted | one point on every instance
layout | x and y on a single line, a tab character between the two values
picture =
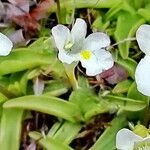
141	130
86	54
68	45
142	146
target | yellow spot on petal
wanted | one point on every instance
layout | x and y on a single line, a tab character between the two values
86	54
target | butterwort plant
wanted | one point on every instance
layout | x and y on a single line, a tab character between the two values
73	46
5	45
142	73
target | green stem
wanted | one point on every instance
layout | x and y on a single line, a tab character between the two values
58	11
69	68
147	113
120	42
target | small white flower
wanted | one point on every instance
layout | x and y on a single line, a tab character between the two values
73	46
128	140
142	73
5	45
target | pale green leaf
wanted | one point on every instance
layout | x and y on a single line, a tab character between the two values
49	143
10	129
50	105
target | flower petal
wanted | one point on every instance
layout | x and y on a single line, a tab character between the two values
91	66
125	139
143	38
5	45
79	29
143	144
97	63
147	139
142	76
105	60
96	41
67	58
61	35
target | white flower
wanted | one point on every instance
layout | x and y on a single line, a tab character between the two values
73	46
128	140
142	73
5	45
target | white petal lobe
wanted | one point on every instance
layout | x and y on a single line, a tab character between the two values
91	66
61	34
79	30
96	41
143	38
66	58
100	60
142	76
125	139
105	60
5	45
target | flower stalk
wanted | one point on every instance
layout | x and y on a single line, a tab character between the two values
70	71
58	11
147	113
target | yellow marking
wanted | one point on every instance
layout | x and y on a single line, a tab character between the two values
86	54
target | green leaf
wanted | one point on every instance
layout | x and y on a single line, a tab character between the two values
5	92
98	24
89	4
129	64
83	82
123	5
23	82
18	83
57	92
49	143
122	87
43	44
135	94
127	24
138	3
50	105
10	129
144	12
112	11
54	129
23	59
107	140
3	98
56	87
89	103
127	104
84	98
68	130
4	81
66	14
